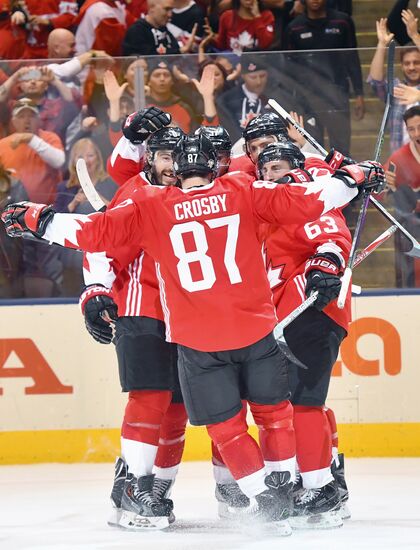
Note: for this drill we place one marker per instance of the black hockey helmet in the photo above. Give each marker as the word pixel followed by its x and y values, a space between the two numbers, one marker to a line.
pixel 165 138
pixel 194 154
pixel 218 135
pixel 281 150
pixel 267 124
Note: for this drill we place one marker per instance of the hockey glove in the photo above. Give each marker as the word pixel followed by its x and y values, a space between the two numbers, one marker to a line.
pixel 336 160
pixel 322 273
pixel 23 218
pixel 368 176
pixel 99 310
pixel 295 176
pixel 142 124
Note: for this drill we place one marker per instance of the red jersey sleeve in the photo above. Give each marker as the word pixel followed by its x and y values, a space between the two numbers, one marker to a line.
pixel 297 203
pixel 126 161
pixel 112 230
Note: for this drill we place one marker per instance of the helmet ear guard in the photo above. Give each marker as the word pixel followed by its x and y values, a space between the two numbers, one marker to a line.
pixel 281 151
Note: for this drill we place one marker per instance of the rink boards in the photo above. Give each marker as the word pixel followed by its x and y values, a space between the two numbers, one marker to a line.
pixel 60 399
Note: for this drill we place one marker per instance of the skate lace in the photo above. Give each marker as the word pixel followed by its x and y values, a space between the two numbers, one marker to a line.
pixel 309 495
pixel 161 486
pixel 144 496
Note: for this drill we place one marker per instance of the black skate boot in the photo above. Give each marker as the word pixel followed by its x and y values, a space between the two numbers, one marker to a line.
pixel 231 500
pixel 317 508
pixel 141 509
pixel 270 509
pixel 162 489
pixel 275 504
pixel 338 474
pixel 117 490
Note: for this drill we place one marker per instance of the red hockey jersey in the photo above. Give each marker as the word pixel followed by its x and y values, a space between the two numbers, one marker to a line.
pixel 286 250
pixel 131 273
pixel 213 284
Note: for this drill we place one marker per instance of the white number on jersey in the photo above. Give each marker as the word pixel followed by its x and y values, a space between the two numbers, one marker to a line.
pixel 325 224
pixel 200 252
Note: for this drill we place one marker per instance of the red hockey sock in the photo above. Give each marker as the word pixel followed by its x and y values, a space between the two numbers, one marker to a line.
pixel 171 440
pixel 216 457
pixel 313 440
pixel 239 451
pixel 144 415
pixel 276 432
pixel 333 426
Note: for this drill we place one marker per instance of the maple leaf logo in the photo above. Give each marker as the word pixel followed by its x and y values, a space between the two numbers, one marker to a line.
pixel 274 275
pixel 239 43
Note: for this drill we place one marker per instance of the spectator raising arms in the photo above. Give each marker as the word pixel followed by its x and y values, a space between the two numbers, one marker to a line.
pixel 406 91
pixel 246 27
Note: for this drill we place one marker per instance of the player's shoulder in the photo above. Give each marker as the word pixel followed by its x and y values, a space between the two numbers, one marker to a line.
pixel 236 178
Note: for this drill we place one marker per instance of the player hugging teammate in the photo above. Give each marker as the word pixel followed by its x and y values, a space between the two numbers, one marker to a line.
pixel 169 267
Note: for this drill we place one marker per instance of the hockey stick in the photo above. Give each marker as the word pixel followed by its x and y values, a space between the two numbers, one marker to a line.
pixel 415 250
pixel 87 185
pixel 362 255
pixel 283 113
pixel 345 281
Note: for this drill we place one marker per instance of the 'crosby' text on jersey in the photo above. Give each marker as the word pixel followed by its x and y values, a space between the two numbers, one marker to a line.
pixel 200 207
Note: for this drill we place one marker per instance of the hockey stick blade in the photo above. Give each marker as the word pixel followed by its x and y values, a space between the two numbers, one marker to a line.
pixel 87 185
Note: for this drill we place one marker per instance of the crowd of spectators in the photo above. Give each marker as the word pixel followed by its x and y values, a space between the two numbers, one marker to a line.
pixel 66 88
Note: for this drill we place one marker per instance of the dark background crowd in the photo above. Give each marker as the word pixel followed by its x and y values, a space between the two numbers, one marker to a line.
pixel 70 72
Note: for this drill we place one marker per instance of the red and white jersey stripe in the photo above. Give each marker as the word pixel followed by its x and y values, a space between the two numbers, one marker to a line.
pixel 131 273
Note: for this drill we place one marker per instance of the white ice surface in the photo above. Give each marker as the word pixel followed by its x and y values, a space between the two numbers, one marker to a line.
pixel 60 507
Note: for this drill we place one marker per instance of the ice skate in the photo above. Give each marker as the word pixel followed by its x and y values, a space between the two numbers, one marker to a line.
pixel 141 509
pixel 162 489
pixel 231 500
pixel 268 511
pixel 117 490
pixel 317 508
pixel 338 474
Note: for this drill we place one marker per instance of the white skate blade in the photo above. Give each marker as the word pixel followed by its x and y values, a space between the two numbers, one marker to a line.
pixel 326 520
pixel 233 514
pixel 133 522
pixel 114 518
pixel 258 528
pixel 280 528
pixel 345 511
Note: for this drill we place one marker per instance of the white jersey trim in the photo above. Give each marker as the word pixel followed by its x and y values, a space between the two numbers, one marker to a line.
pixel 165 309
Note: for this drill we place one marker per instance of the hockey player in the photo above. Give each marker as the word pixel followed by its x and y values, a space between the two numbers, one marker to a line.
pixel 153 430
pixel 302 259
pixel 271 128
pixel 215 294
